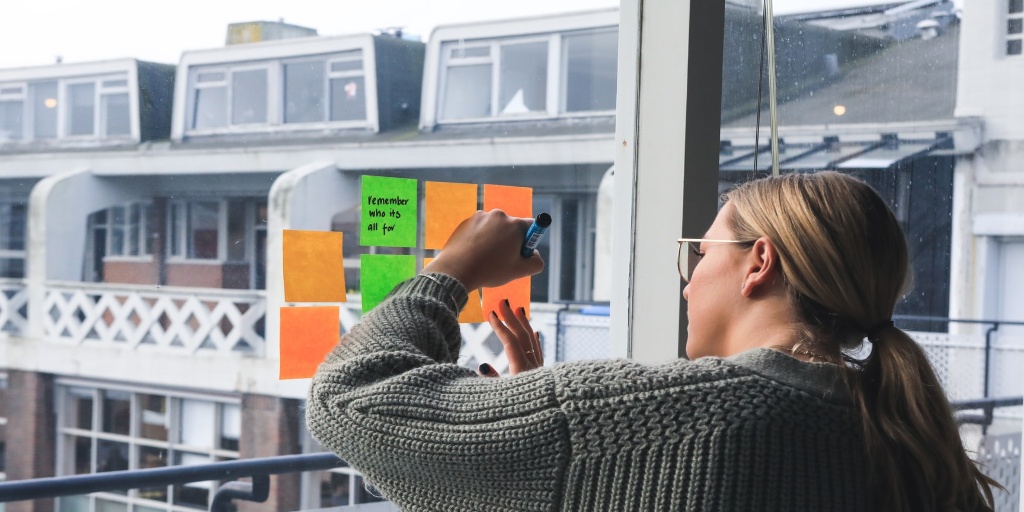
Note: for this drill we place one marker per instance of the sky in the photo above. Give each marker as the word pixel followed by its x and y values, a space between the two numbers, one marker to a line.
pixel 37 32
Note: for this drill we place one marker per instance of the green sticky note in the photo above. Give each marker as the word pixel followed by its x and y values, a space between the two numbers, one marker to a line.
pixel 380 273
pixel 389 212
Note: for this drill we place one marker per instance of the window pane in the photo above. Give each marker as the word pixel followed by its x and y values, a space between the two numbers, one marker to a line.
pixel 230 426
pixel 236 230
pixel 590 71
pixel 461 52
pixel 304 92
pixel 348 102
pixel 12 226
pixel 133 229
pixel 195 494
pixel 1013 47
pixel 524 78
pixel 202 237
pixel 117 413
pixel 249 97
pixel 196 426
pixel 152 457
pixel 467 92
pixel 1016 6
pixel 153 419
pixel 103 505
pixel 10 120
pixel 1015 26
pixel 346 65
pixel 81 108
pixel 81 462
pixel 176 215
pixel 79 413
pixel 111 84
pixel 117 235
pixel 211 109
pixel 44 110
pixel 334 489
pixel 116 115
pixel 111 456
pixel 74 504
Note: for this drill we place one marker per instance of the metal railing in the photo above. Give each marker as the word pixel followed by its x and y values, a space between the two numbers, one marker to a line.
pixel 260 470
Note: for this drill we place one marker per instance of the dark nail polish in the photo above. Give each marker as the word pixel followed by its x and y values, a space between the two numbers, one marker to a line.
pixel 522 310
pixel 508 304
pixel 486 369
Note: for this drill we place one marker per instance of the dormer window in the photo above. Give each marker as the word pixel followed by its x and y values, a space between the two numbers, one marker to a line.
pixel 78 108
pixel 529 77
pixel 300 91
pixel 1015 28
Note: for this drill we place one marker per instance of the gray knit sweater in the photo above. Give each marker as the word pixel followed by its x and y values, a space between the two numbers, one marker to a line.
pixel 758 431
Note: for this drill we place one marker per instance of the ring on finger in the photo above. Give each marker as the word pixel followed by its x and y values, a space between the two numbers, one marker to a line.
pixel 528 352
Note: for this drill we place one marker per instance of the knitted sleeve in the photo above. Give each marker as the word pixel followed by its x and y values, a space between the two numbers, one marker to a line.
pixel 427 433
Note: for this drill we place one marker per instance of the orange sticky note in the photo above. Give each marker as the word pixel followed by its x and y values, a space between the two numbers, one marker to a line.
pixel 515 201
pixel 446 206
pixel 307 335
pixel 472 313
pixel 313 270
pixel 517 292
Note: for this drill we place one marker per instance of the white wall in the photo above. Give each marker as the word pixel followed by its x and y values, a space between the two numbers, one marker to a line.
pixel 991 83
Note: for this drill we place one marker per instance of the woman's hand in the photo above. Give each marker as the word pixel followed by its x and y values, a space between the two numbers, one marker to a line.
pixel 521 342
pixel 484 251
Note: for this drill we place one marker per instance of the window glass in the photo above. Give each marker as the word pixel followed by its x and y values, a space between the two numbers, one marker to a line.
pixel 81 108
pixel 197 423
pixel 524 78
pixel 116 115
pixel 304 92
pixel 44 109
pixel 117 231
pixel 230 426
pixel 590 71
pixel 348 101
pixel 467 92
pixel 249 96
pixel 203 226
pixel 237 228
pixel 11 123
pixel 116 412
pixel 211 105
pixel 12 226
pixel 153 418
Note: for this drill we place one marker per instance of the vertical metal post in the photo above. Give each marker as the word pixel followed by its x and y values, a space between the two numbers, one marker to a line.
pixel 773 110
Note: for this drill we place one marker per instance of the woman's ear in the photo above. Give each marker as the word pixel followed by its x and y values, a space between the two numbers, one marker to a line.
pixel 761 268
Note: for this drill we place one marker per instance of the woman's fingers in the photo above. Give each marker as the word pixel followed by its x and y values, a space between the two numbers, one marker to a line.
pixel 487 370
pixel 520 341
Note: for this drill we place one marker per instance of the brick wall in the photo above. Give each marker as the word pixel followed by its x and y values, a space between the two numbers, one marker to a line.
pixel 270 426
pixel 31 433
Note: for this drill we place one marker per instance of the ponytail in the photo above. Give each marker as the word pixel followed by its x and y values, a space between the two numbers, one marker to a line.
pixel 910 431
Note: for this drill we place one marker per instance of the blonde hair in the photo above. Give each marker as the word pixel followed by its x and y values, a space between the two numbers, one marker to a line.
pixel 844 258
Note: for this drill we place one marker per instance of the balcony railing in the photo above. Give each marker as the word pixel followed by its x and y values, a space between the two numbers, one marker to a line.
pixel 169 318
pixel 13 306
pixel 997 453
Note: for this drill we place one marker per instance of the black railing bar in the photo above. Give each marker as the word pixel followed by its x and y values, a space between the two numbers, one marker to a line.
pixel 984 403
pixel 133 479
pixel 955 320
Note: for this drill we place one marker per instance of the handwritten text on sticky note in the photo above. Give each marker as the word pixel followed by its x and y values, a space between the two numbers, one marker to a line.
pixel 389 212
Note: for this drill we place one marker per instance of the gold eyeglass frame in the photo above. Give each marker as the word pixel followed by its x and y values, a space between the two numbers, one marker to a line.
pixel 694 244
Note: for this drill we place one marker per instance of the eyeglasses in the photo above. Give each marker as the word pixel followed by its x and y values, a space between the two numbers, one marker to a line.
pixel 695 254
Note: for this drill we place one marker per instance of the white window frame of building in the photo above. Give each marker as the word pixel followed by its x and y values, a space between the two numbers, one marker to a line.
pixel 178 212
pixel 555 87
pixel 101 90
pixel 15 92
pixel 276 91
pixel 5 252
pixel 1014 16
pixel 224 423
pixel 141 229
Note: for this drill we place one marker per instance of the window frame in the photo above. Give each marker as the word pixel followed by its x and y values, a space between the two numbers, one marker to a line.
pixel 275 66
pixel 21 97
pixel 183 208
pixel 143 233
pixel 67 432
pixel 555 88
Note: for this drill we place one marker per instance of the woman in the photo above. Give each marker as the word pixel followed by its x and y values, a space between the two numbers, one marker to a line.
pixel 772 413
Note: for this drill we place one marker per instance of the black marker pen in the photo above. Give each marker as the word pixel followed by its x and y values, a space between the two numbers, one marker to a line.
pixel 534 234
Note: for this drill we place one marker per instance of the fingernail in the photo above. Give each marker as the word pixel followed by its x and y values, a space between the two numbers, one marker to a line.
pixel 486 369
pixel 522 310
pixel 508 304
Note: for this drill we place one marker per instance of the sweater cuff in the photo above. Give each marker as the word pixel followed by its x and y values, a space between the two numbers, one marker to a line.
pixel 442 287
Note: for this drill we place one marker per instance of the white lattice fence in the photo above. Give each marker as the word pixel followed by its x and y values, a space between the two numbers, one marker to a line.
pixel 959 362
pixel 13 306
pixel 185 319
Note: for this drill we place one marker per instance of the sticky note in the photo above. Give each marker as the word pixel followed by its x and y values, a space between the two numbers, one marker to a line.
pixel 389 212
pixel 446 205
pixel 307 335
pixel 380 273
pixel 472 313
pixel 515 201
pixel 313 270
pixel 517 292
